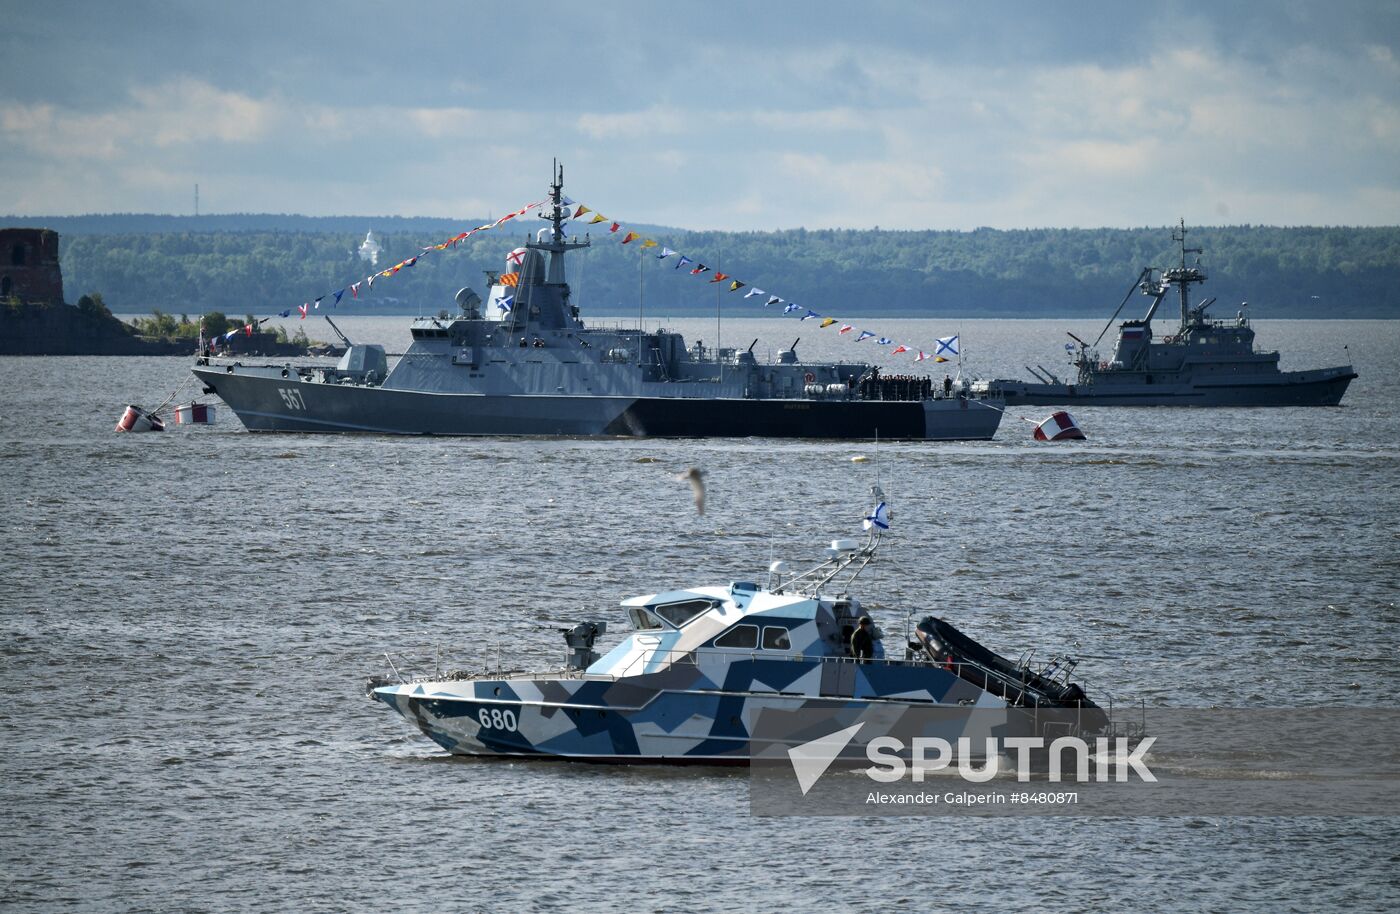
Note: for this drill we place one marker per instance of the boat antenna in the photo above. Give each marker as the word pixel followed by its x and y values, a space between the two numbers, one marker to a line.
pixel 876 451
pixel 1184 276
pixel 641 297
pixel 719 363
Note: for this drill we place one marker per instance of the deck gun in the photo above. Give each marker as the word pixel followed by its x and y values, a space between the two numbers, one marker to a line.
pixel 580 640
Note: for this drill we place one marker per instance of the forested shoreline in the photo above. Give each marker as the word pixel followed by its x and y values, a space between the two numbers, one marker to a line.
pixel 252 263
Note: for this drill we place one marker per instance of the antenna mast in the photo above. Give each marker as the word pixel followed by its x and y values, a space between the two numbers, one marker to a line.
pixel 1183 276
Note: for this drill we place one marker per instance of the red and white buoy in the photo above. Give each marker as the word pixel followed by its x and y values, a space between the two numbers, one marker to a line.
pixel 136 419
pixel 194 414
pixel 1059 427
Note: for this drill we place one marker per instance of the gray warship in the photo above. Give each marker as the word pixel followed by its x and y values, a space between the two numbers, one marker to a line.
pixel 1204 363
pixel 524 363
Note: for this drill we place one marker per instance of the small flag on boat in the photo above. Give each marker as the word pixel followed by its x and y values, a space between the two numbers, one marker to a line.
pixel 864 335
pixel 948 345
pixel 720 277
pixel 845 328
pixel 505 303
pixel 509 279
pixel 302 308
pixel 810 314
pixel 1059 427
pixel 339 294
pixel 921 356
pixel 752 292
pixel 683 261
pixel 615 226
pixel 828 321
pixel 665 252
pixel 630 237
pixel 581 210
pixel 597 217
pixel 774 300
pixel 899 349
pixel 791 307
pixel 736 285
pixel 699 268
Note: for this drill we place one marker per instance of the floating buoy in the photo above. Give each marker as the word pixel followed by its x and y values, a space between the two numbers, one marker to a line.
pixel 1059 427
pixel 194 414
pixel 136 419
pixel 860 458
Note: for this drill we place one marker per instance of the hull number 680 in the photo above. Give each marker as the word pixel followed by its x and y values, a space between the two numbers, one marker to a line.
pixel 497 719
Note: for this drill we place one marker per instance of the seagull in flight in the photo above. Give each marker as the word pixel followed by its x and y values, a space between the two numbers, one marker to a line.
pixel 696 477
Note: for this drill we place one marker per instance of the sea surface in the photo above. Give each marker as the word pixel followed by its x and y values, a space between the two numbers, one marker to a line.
pixel 187 619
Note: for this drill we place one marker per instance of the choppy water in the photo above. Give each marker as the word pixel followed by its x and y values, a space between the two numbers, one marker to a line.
pixel 187 620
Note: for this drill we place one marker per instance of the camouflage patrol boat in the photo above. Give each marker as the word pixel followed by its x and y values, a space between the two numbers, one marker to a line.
pixel 524 363
pixel 1204 363
pixel 702 663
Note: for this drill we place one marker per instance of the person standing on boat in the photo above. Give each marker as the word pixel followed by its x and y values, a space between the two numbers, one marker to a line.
pixel 863 640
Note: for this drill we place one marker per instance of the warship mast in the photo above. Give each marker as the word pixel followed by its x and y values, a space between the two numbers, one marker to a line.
pixel 556 246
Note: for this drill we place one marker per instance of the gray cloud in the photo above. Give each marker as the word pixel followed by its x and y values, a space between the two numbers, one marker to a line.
pixel 715 115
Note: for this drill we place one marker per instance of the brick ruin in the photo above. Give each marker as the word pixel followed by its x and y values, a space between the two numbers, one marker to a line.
pixel 29 268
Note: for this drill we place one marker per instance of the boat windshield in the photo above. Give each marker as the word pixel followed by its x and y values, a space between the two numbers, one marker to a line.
pixel 643 620
pixel 679 614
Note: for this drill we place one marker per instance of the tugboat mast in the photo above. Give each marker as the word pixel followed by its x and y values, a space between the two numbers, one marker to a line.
pixel 1183 276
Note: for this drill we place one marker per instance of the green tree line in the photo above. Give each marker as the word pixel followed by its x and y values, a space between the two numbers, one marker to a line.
pixel 1281 271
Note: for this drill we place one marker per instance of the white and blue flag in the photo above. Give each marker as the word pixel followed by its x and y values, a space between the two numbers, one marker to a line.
pixel 879 519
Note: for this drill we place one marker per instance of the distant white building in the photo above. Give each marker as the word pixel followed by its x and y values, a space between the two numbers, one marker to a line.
pixel 369 249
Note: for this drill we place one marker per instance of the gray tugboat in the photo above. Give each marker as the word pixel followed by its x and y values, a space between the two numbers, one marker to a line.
pixel 525 364
pixel 1205 363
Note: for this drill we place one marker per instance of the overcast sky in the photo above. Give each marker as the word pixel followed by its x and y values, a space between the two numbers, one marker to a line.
pixel 710 115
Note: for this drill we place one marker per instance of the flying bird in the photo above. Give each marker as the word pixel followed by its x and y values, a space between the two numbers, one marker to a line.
pixel 696 477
